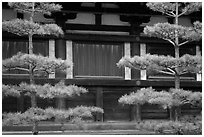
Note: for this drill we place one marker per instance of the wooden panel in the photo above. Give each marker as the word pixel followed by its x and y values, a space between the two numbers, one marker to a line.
pixel 45 103
pixel 9 104
pixel 87 99
pixel 97 59
pixel 12 47
pixel 27 103
pixel 113 110
pixel 135 50
pixel 149 111
pixel 168 49
pixel 189 110
pixel 60 52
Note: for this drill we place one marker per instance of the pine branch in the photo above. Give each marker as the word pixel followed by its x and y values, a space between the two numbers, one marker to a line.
pixel 43 70
pixel 183 43
pixel 165 72
pixel 173 71
pixel 16 68
pixel 182 73
pixel 167 31
pixel 24 27
pixel 39 7
pixel 171 14
pixel 38 62
pixel 185 11
pixel 9 90
pixel 172 42
pixel 163 64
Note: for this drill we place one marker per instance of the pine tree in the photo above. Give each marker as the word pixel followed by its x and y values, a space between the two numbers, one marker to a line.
pixel 38 64
pixel 177 35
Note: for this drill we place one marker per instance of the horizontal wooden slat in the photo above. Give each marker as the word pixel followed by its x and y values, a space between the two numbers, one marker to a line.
pixel 153 110
pixel 116 116
pixel 97 27
pixel 154 116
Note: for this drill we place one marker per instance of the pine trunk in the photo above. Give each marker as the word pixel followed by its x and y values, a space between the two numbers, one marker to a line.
pixel 177 55
pixel 33 94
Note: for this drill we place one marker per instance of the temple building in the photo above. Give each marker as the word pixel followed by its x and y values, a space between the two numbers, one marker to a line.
pixel 96 36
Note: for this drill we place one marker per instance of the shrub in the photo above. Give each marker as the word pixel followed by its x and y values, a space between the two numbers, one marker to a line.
pixel 147 125
pixel 178 128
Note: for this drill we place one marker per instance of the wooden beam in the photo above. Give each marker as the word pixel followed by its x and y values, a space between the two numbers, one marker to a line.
pixel 93 37
pixel 97 27
pixel 104 38
pixel 107 82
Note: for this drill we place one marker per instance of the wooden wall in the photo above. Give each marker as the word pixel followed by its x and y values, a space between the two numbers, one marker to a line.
pixel 93 59
pixel 104 94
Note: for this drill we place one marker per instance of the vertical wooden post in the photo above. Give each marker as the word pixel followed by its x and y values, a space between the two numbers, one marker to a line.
pixel 60 52
pixel 198 75
pixel 52 53
pixel 136 113
pixel 127 54
pixel 69 55
pixel 143 75
pixel 99 103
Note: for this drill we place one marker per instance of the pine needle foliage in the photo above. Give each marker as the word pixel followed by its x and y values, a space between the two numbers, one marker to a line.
pixel 164 64
pixel 39 63
pixel 165 99
pixel 72 115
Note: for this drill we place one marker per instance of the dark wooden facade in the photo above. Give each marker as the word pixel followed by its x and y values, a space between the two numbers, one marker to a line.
pixel 99 35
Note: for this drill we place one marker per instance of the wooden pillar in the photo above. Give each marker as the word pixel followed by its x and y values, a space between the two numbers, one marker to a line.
pixel 69 56
pixel 60 52
pixel 143 75
pixel 127 54
pixel 99 103
pixel 52 53
pixel 198 75
pixel 135 113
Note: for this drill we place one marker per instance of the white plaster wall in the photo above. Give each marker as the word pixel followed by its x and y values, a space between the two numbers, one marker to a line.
pixel 38 18
pixel 83 18
pixel 8 14
pixel 154 20
pixel 111 19
pixel 88 4
pixel 185 21
pixel 109 5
